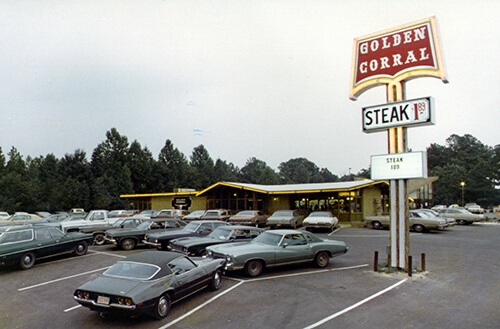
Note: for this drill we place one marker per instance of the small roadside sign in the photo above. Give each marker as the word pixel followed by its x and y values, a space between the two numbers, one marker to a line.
pixel 399 166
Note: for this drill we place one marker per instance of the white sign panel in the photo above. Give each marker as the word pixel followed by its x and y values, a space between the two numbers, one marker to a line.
pixel 414 112
pixel 399 166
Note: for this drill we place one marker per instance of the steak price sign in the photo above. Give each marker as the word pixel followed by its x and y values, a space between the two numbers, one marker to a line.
pixel 414 112
pixel 398 54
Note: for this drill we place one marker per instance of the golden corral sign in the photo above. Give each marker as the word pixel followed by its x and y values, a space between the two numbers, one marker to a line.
pixel 401 53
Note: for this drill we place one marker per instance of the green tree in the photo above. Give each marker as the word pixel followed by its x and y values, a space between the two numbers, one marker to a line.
pixel 172 169
pixel 258 172
pixel 225 172
pixel 300 171
pixel 202 168
pixel 141 163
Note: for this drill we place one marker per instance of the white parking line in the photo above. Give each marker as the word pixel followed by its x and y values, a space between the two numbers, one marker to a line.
pixel 306 273
pixel 72 308
pixel 201 306
pixel 355 305
pixel 61 279
pixel 251 280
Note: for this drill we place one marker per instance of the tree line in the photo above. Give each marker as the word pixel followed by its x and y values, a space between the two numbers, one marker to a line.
pixel 116 167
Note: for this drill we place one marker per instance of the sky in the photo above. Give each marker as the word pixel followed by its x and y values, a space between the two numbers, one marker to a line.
pixel 264 79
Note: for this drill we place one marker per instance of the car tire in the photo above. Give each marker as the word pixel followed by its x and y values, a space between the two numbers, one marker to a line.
pixel 462 222
pixel 27 260
pixel 254 268
pixel 99 239
pixel 418 228
pixel 216 281
pixel 128 244
pixel 322 259
pixel 81 248
pixel 162 307
pixel 376 225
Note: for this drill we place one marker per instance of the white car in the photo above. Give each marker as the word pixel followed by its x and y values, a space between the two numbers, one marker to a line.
pixel 320 219
pixel 476 209
pixel 4 215
pixel 462 216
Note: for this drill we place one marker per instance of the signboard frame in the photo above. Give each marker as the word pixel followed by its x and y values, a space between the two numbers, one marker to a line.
pixel 430 119
pixel 379 39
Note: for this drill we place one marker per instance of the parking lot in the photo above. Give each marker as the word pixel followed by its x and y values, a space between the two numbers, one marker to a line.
pixel 460 289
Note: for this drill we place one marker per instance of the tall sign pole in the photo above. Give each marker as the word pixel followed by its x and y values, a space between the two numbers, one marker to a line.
pixel 391 58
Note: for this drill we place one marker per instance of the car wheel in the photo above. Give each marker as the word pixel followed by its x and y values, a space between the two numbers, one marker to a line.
pixel 81 248
pixel 27 260
pixel 162 307
pixel 216 282
pixel 128 244
pixel 322 259
pixel 418 228
pixel 99 239
pixel 376 225
pixel 253 268
pixel 462 222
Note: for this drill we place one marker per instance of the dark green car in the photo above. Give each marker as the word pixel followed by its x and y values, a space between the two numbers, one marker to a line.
pixel 149 282
pixel 24 244
pixel 129 238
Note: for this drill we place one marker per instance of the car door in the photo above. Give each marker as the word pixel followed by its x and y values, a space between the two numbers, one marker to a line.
pixel 45 243
pixel 293 248
pixel 63 242
pixel 188 275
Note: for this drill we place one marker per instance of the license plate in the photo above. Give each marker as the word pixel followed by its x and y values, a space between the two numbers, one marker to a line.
pixel 103 300
pixel 278 225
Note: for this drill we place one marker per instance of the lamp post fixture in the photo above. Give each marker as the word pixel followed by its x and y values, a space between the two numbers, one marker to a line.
pixel 463 185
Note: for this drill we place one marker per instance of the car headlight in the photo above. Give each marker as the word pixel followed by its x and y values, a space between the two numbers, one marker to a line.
pixel 210 253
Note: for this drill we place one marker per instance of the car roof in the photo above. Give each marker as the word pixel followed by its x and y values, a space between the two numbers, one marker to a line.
pixel 154 257
pixel 284 231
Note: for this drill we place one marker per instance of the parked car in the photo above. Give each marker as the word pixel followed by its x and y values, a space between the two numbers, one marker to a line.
pixel 99 231
pixel 195 215
pixel 25 244
pixel 149 282
pixel 449 220
pixel 122 213
pixel 282 218
pixel 462 216
pixel 149 213
pixel 476 209
pixel 20 218
pixel 321 220
pixel 196 228
pixel 4 215
pixel 277 247
pixel 170 213
pixel 248 217
pixel 418 222
pixel 196 246
pixel 217 214
pixel 129 238
pixel 438 207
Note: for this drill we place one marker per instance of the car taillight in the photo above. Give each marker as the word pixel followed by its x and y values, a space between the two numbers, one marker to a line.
pixel 123 301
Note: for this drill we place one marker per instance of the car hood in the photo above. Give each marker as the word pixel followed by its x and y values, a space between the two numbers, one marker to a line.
pixel 195 241
pixel 239 248
pixel 176 233
pixel 314 220
pixel 123 231
pixel 111 285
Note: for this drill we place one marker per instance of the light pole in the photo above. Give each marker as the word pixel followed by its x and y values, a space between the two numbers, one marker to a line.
pixel 463 185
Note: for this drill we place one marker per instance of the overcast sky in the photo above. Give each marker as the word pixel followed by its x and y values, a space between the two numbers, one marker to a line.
pixel 265 79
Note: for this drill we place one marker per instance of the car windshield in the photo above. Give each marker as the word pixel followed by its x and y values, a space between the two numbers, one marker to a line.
pixel 131 270
pixel 283 213
pixel 220 234
pixel 320 214
pixel 191 227
pixel 268 238
pixel 245 213
pixel 212 213
pixel 144 225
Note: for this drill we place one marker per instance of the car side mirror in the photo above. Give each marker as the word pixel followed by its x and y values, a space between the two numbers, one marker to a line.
pixel 284 245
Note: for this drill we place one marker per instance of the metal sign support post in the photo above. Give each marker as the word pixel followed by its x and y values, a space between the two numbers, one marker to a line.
pixel 400 234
